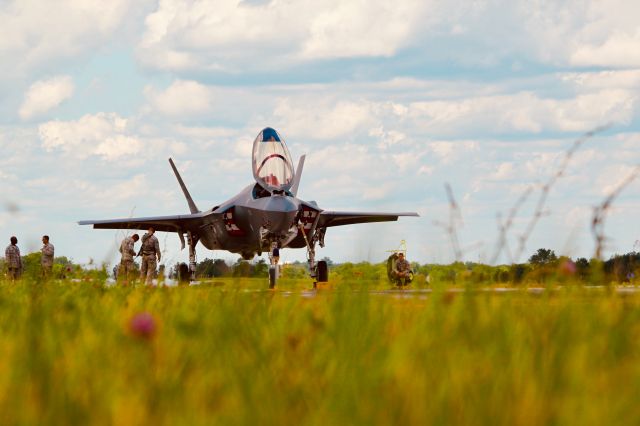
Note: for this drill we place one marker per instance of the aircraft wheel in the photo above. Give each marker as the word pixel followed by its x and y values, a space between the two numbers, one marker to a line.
pixel 184 275
pixel 322 272
pixel 272 277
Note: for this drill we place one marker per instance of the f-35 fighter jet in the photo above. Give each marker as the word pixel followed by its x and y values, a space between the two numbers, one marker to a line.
pixel 264 215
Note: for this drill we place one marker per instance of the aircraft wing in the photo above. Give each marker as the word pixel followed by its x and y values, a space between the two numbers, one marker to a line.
pixel 329 218
pixel 160 223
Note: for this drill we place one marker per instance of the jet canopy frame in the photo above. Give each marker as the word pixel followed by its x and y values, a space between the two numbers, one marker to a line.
pixel 272 165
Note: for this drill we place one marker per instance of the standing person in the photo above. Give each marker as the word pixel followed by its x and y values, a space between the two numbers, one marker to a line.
pixel 150 250
pixel 13 259
pixel 275 254
pixel 125 270
pixel 402 269
pixel 47 256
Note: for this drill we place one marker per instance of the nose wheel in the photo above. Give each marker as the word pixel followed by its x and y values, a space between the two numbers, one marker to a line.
pixel 273 276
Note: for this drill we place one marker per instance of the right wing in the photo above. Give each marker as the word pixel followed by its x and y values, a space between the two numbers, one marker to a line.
pixel 177 223
pixel 328 218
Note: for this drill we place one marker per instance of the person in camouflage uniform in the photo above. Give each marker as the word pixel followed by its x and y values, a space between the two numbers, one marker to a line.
pixel 402 269
pixel 149 251
pixel 126 268
pixel 13 259
pixel 47 256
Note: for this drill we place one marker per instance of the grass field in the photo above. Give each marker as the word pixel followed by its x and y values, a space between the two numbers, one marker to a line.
pixel 229 352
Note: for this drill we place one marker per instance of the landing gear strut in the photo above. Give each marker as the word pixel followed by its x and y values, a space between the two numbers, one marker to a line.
pixel 192 240
pixel 273 265
pixel 318 271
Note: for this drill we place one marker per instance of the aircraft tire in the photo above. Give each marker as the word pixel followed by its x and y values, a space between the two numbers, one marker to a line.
pixel 322 272
pixel 184 274
pixel 272 277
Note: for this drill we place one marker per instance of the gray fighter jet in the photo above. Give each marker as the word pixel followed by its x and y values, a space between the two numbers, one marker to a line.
pixel 264 215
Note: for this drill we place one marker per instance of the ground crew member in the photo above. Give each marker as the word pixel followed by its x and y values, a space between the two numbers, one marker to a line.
pixel 402 269
pixel 125 269
pixel 13 259
pixel 47 256
pixel 149 251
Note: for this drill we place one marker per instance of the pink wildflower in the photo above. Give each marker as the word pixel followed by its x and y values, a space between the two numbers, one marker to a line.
pixel 143 325
pixel 568 267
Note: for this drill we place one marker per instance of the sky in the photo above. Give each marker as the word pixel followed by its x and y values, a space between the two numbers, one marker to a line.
pixel 390 101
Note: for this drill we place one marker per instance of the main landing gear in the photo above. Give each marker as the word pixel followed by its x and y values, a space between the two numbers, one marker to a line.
pixel 317 270
pixel 192 240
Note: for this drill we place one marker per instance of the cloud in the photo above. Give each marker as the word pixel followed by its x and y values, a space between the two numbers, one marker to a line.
pixel 619 50
pixel 361 28
pixel 448 151
pixel 524 112
pixel 103 134
pixel 37 33
pixel 504 171
pixel 232 35
pixel 612 176
pixel 181 98
pixel 324 118
pixel 44 95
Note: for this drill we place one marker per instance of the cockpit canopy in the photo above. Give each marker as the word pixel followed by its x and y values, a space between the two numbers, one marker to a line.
pixel 272 165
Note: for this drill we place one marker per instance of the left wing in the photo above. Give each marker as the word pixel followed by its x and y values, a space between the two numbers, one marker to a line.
pixel 177 223
pixel 328 218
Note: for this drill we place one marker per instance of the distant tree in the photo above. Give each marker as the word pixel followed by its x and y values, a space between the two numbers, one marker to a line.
pixel 328 260
pixel 260 268
pixel 622 268
pixel 582 267
pixel 517 272
pixel 543 257
pixel 241 268
pixel 205 268
pixel 210 268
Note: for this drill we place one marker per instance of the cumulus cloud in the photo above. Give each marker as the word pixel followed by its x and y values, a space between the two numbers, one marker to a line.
pixel 103 134
pixel 619 50
pixel 35 32
pixel 233 35
pixel 524 112
pixel 44 95
pixel 323 118
pixel 361 28
pixel 181 98
pixel 613 175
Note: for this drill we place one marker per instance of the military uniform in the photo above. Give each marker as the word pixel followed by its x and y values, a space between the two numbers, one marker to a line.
pixel 126 263
pixel 13 261
pixel 149 250
pixel 402 269
pixel 47 259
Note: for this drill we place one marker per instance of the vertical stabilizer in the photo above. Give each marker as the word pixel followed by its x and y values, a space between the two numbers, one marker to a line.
pixel 192 205
pixel 296 178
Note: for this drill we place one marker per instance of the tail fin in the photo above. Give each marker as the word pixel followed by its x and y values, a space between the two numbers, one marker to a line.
pixel 296 178
pixel 192 205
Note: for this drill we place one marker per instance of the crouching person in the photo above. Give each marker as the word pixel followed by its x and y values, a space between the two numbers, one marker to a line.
pixel 402 270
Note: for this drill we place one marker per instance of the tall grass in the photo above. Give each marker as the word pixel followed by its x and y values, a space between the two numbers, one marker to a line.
pixel 228 353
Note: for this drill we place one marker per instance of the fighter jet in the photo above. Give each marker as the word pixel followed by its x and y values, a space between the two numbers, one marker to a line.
pixel 264 215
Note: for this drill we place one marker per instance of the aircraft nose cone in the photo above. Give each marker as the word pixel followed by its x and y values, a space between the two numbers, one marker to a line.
pixel 280 204
pixel 279 213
